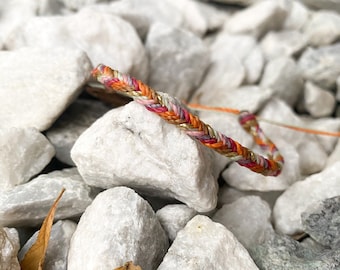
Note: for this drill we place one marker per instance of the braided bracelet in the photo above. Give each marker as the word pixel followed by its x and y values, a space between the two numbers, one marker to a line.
pixel 174 112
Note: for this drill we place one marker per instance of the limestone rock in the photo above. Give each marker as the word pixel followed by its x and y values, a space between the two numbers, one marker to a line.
pixel 174 217
pixel 323 28
pixel 28 204
pixel 58 245
pixel 24 153
pixel 322 4
pixel 178 60
pixel 284 78
pixel 259 18
pixel 283 43
pixel 298 15
pixel 134 147
pixel 321 66
pixel 76 119
pixel 39 96
pixel 321 221
pixel 204 244
pixel 99 41
pixel 298 197
pixel 335 156
pixel 119 226
pixel 9 247
pixel 318 102
pixel 284 253
pixel 247 210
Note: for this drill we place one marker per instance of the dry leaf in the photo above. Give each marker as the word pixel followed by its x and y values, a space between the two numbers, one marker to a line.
pixel 34 258
pixel 129 266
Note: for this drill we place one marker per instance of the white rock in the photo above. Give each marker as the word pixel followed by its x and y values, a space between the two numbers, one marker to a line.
pixel 9 247
pixel 238 2
pixel 244 179
pixel 78 4
pixel 321 66
pixel 295 200
pixel 99 41
pixel 335 155
pixel 58 245
pixel 178 60
pixel 204 244
pixel 258 18
pixel 338 89
pixel 317 101
pixel 280 112
pixel 254 63
pixel 36 98
pixel 76 119
pixel 28 204
pixel 174 217
pixel 297 16
pixel 323 28
pixel 310 164
pixel 322 4
pixel 119 226
pixel 214 17
pixel 24 153
pixel 283 43
pixel 247 210
pixel 284 78
pixel 134 147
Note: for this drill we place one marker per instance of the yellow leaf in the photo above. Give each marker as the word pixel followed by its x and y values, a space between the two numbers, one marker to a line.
pixel 34 258
pixel 129 266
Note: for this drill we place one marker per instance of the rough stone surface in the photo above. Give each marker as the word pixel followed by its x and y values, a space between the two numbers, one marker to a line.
pixel 284 78
pixel 119 226
pixel 28 204
pixel 76 119
pixel 9 247
pixel 321 66
pixel 24 153
pixel 322 4
pixel 284 253
pixel 248 210
pixel 174 217
pixel 323 28
pixel 204 244
pixel 134 147
pixel 42 94
pixel 58 245
pixel 99 41
pixel 178 60
pixel 321 221
pixel 317 101
pixel 295 200
pixel 258 18
pixel 283 43
pixel 297 16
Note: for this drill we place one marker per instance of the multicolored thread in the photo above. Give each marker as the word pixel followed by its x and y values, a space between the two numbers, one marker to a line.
pixel 174 112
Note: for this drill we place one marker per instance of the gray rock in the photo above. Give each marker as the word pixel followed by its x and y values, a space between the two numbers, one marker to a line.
pixel 322 4
pixel 258 18
pixel 9 247
pixel 24 153
pixel 284 78
pixel 28 204
pixel 321 66
pixel 317 101
pixel 99 40
pixel 178 60
pixel 58 245
pixel 134 147
pixel 335 155
pixel 39 96
pixel 283 43
pixel 237 216
pixel 76 119
pixel 204 244
pixel 323 28
pixel 174 217
pixel 321 221
pixel 297 16
pixel 338 89
pixel 284 253
pixel 298 197
pixel 119 226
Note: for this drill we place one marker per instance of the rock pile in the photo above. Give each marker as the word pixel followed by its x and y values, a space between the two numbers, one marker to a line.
pixel 138 189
